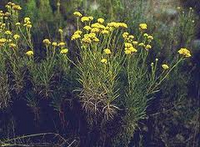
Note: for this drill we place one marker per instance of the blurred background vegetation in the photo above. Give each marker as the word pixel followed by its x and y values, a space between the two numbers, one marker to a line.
pixel 173 115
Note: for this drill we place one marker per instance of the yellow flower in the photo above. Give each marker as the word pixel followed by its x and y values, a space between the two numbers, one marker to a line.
pixel 141 44
pixel 98 25
pixel 64 51
pixel 86 40
pixel 8 32
pixel 145 35
pixel 78 32
pixel 77 14
pixel 148 47
pixel 100 20
pixel 87 28
pixel 27 20
pixel 185 52
pixel 85 19
pixel 2 40
pixel 143 26
pixel 131 37
pixel 75 36
pixel 135 42
pixel 60 31
pixel 127 51
pixel 127 45
pixel 46 42
pixel 123 25
pixel 18 24
pixel 150 37
pixel 91 35
pixel 17 7
pixel 107 51
pixel 96 39
pixel 132 49
pixel 165 66
pixel 90 18
pixel 29 53
pixel 54 44
pixel 113 24
pixel 9 40
pixel 29 26
pixel 104 60
pixel 125 34
pixel 61 44
pixel 105 32
pixel 12 45
pixel 95 30
pixel 16 36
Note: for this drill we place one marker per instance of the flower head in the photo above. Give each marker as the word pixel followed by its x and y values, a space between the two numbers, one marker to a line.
pixel 127 51
pixel 143 26
pixel 165 66
pixel 100 20
pixel 46 42
pixel 61 44
pixel 147 47
pixel 150 37
pixel 60 31
pixel 104 60
pixel 87 28
pixel 185 52
pixel 12 45
pixel 85 19
pixel 77 14
pixel 64 51
pixel 16 36
pixel 29 53
pixel 54 44
pixel 8 32
pixel 107 51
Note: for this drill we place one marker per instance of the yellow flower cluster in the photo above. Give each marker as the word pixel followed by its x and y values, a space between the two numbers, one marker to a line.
pixel 2 41
pixel 86 18
pixel 54 44
pixel 104 60
pixel 165 66
pixel 12 45
pixel 129 48
pixel 8 32
pixel 148 36
pixel 16 36
pixel 147 47
pixel 117 25
pixel 29 53
pixel 78 14
pixel 64 51
pixel 87 28
pixel 89 38
pixel 143 26
pixel 185 52
pixel 46 42
pixel 27 22
pixel 76 35
pixel 13 6
pixel 100 20
pixel 128 38
pixel 107 51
